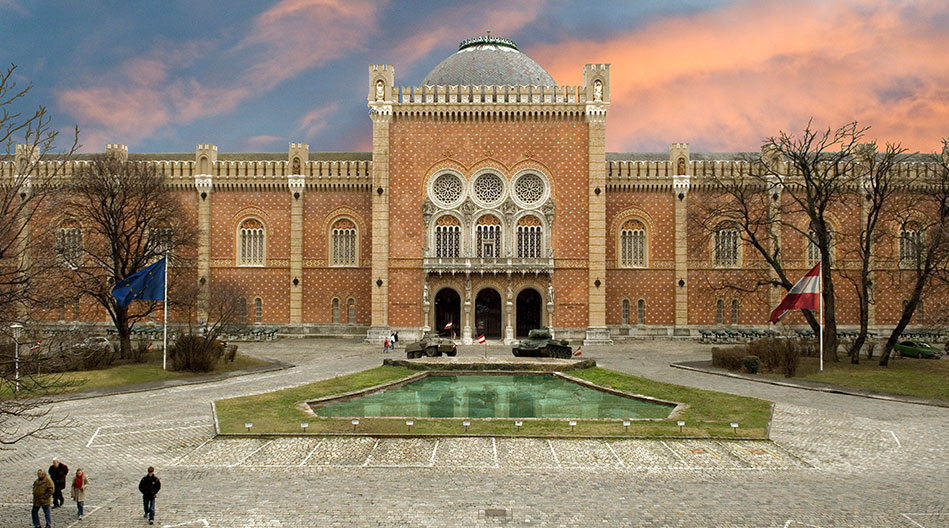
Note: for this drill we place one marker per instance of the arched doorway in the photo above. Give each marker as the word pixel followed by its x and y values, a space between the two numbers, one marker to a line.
pixel 529 307
pixel 488 314
pixel 447 309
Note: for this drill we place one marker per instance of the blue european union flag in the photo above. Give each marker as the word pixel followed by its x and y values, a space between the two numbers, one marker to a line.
pixel 148 285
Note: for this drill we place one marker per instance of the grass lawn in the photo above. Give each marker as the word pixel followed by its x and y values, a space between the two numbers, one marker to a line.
pixel 709 414
pixel 924 378
pixel 132 374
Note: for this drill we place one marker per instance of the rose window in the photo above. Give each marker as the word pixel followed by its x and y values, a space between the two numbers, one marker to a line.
pixel 489 188
pixel 529 189
pixel 447 188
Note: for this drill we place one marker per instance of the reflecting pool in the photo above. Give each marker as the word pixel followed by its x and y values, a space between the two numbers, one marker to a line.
pixel 496 396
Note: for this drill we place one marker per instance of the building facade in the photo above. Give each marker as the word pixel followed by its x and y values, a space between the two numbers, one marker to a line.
pixel 489 202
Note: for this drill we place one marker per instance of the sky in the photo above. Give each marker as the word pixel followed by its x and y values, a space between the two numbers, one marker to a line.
pixel 252 76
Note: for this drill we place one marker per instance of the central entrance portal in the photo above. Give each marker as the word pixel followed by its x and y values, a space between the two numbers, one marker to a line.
pixel 488 314
pixel 447 310
pixel 528 311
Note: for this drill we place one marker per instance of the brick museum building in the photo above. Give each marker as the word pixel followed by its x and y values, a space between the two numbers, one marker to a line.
pixel 488 201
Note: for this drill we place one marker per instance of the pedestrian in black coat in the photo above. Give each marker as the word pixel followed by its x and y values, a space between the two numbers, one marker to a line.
pixel 149 486
pixel 58 472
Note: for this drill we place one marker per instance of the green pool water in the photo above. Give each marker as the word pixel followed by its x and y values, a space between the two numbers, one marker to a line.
pixel 503 396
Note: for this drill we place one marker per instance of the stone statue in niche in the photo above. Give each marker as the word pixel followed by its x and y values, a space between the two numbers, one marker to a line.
pixel 550 293
pixel 597 90
pixel 468 289
pixel 681 168
pixel 425 293
pixel 380 91
pixel 296 165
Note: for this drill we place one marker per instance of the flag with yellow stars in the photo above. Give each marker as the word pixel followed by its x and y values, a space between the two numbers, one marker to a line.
pixel 145 285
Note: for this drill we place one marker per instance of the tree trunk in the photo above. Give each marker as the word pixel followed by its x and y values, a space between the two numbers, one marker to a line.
pixel 125 334
pixel 905 318
pixel 830 318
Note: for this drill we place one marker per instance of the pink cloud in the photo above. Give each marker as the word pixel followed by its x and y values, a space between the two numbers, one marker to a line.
pixel 315 120
pixel 262 141
pixel 728 78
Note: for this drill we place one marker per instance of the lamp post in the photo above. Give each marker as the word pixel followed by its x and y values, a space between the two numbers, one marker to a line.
pixel 17 330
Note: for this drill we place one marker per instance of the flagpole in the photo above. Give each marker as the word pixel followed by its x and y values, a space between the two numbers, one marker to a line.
pixel 164 347
pixel 821 320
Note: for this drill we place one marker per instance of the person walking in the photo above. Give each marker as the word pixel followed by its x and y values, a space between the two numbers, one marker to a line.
pixel 385 346
pixel 149 486
pixel 42 495
pixel 57 473
pixel 79 491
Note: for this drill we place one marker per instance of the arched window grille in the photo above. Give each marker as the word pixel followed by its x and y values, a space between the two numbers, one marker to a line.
pixel 258 309
pixel 344 251
pixel 447 237
pixel 161 239
pixel 719 311
pixel 69 244
pixel 529 235
pixel 641 311
pixel 911 242
pixel 335 310
pixel 351 311
pixel 251 241
pixel 633 244
pixel 734 311
pixel 727 247
pixel 625 311
pixel 241 309
pixel 488 233
pixel 813 251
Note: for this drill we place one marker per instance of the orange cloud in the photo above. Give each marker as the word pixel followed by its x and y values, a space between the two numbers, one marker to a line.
pixel 725 79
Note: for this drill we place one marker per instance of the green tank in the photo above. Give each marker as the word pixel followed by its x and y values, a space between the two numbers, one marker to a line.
pixel 540 343
pixel 430 345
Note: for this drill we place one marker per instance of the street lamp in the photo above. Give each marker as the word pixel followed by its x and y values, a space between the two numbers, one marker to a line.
pixel 17 330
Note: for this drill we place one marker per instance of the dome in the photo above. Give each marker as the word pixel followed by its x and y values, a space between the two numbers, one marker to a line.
pixel 488 60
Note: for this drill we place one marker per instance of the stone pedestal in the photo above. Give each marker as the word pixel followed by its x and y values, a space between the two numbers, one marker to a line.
pixel 378 334
pixel 598 335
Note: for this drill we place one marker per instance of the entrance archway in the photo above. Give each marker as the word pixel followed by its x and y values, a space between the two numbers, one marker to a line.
pixel 529 307
pixel 447 309
pixel 488 314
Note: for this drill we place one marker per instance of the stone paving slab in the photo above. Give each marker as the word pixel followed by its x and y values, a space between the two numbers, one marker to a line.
pixel 526 452
pixel 466 452
pixel 584 453
pixel 341 451
pixel 223 452
pixel 403 452
pixel 283 452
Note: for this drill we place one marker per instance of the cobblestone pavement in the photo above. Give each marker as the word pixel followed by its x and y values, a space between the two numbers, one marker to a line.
pixel 835 460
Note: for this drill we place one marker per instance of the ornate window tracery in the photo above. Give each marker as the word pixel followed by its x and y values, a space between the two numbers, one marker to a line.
pixel 69 243
pixel 529 238
pixel 489 188
pixel 633 244
pixel 447 237
pixel 447 189
pixel 251 239
pixel 344 250
pixel 911 243
pixel 641 311
pixel 488 234
pixel 727 247
pixel 258 309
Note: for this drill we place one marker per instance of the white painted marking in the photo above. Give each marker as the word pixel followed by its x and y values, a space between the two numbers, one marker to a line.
pixel 155 430
pixel 369 455
pixel 251 454
pixel 551 446
pixel 618 459
pixel 663 442
pixel 192 451
pixel 93 436
pixel 908 518
pixel 907 515
pixel 431 462
pixel 317 446
pixel 787 524
pixel 202 522
pixel 494 445
pixel 898 444
pixel 88 512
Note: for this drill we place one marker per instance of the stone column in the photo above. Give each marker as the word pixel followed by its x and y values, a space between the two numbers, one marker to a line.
pixel 205 158
pixel 468 303
pixel 680 187
pixel 596 79
pixel 296 183
pixel 426 306
pixel 380 110
pixel 509 304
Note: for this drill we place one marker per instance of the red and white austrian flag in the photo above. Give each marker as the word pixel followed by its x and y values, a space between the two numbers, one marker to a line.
pixel 805 295
pixel 481 338
pixel 448 326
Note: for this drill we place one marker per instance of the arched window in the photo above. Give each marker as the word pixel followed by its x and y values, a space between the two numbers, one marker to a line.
pixel 632 244
pixel 69 243
pixel 641 311
pixel 447 237
pixel 719 311
pixel 734 311
pixel 625 311
pixel 351 311
pixel 161 240
pixel 813 251
pixel 251 242
pixel 529 236
pixel 727 246
pixel 911 243
pixel 343 247
pixel 335 310
pixel 488 236
pixel 258 309
pixel 240 309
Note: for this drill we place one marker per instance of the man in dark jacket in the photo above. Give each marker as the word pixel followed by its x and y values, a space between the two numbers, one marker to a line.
pixel 149 486
pixel 58 472
pixel 42 493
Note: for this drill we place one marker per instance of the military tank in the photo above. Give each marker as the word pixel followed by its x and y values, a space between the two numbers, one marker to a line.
pixel 540 343
pixel 430 345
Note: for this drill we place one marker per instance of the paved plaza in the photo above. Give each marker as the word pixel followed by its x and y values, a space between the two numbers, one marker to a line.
pixel 835 460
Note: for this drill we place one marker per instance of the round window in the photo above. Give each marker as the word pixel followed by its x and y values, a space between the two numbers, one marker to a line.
pixel 489 188
pixel 530 189
pixel 447 189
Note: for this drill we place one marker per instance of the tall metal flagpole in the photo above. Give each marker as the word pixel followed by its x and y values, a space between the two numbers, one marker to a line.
pixel 164 347
pixel 821 321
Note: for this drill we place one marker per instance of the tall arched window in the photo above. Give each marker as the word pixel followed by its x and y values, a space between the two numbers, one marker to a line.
pixel 251 242
pixel 69 243
pixel 258 309
pixel 719 311
pixel 641 311
pixel 734 311
pixel 447 237
pixel 813 251
pixel 625 311
pixel 488 236
pixel 343 246
pixel 240 306
pixel 529 236
pixel 632 244
pixel 727 246
pixel 911 243
pixel 351 311
pixel 335 310
pixel 161 239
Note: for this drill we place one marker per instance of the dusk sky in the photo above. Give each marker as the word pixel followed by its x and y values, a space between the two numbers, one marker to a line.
pixel 254 76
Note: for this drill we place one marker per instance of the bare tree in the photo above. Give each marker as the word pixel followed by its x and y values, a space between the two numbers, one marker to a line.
pixel 30 163
pixel 924 239
pixel 129 218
